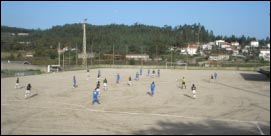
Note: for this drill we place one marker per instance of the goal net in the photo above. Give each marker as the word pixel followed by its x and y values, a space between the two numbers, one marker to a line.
pixel 173 65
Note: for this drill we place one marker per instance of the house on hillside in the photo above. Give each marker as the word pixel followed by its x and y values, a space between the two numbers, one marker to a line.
pixel 22 34
pixel 235 44
pixel 224 45
pixel 192 49
pixel 219 57
pixel 207 46
pixel 254 43
pixel 265 54
pixel 217 42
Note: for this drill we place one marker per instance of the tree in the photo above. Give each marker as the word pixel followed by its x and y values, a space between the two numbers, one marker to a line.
pixel 19 55
pixel 52 54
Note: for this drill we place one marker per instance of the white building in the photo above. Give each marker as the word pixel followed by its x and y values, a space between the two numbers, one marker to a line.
pixel 268 45
pixel 235 52
pixel 245 50
pixel 207 46
pixel 217 42
pixel 22 34
pixel 265 54
pixel 24 43
pixel 229 49
pixel 29 55
pixel 235 43
pixel 219 57
pixel 137 56
pixel 254 44
pixel 183 51
pixel 224 44
pixel 192 49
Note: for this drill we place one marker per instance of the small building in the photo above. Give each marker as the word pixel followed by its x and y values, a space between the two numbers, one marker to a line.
pixel 268 45
pixel 265 54
pixel 224 44
pixel 191 49
pixel 229 48
pixel 116 56
pixel 211 63
pixel 207 46
pixel 137 56
pixel 29 55
pixel 235 43
pixel 22 34
pixel 219 57
pixel 217 42
pixel 254 43
pixel 235 52
pixel 157 58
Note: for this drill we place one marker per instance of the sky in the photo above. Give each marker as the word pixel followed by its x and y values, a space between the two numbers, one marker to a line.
pixel 251 18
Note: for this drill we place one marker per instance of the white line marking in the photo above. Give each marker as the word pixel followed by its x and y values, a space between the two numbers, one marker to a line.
pixel 259 128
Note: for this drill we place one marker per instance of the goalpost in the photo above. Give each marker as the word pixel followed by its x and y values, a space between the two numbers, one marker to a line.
pixel 173 65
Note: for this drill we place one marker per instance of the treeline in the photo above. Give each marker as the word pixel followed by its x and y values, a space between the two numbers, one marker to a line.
pixel 136 38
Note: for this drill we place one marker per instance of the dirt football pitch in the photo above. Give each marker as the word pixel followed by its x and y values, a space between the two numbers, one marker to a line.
pixel 238 102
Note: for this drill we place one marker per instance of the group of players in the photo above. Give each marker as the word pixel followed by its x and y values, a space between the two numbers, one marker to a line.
pixel 97 93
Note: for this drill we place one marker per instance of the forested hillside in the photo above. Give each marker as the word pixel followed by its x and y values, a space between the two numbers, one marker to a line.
pixel 136 38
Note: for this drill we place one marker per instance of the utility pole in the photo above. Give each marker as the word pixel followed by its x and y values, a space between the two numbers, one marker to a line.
pixel 91 52
pixel 198 35
pixel 113 54
pixel 84 44
pixel 171 57
pixel 142 56
pixel 99 53
pixel 156 50
pixel 76 54
pixel 59 53
pixel 69 56
pixel 126 53
pixel 63 57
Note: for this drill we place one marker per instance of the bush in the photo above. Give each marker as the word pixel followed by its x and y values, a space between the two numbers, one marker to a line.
pixel 19 55
pixel 11 57
pixel 132 62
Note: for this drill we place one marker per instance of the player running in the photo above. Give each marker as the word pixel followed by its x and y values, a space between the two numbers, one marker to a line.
pixel 193 88
pixel 28 91
pixel 74 82
pixel 137 76
pixel 183 83
pixel 17 84
pixel 152 88
pixel 105 84
pixel 158 72
pixel 130 81
pixel 118 78
pixel 95 96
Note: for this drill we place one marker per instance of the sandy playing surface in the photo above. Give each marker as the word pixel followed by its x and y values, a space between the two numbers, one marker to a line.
pixel 237 103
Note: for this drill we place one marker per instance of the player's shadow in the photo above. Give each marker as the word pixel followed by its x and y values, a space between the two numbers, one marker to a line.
pixel 188 96
pixel 33 95
pixel 21 87
pixel 149 93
